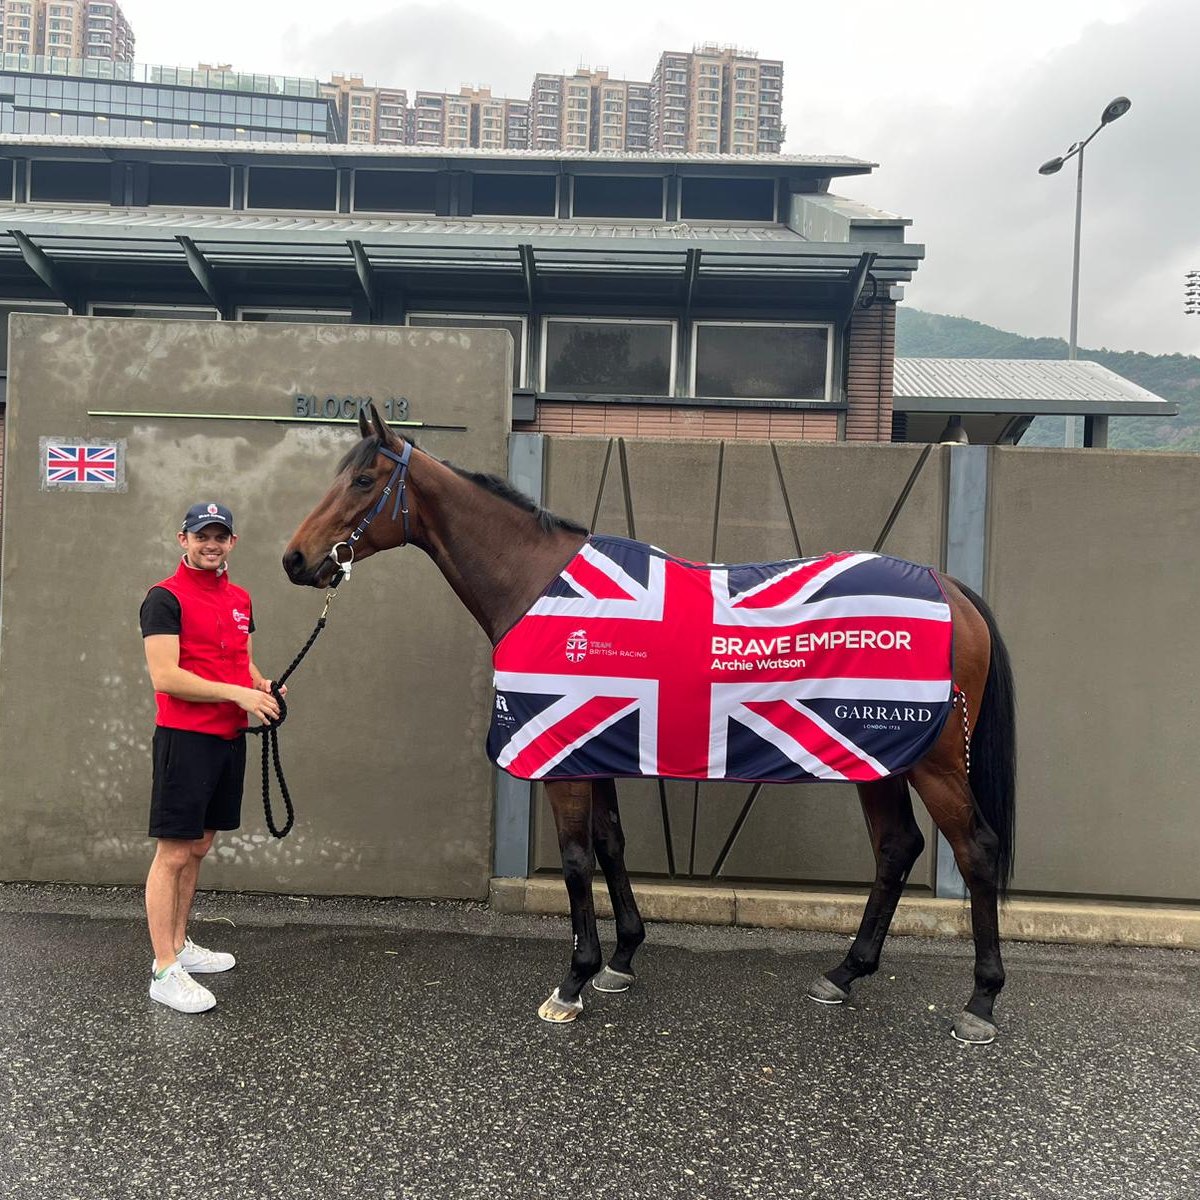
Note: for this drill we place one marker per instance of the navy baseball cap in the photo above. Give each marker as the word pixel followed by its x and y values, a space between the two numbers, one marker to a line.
pixel 209 513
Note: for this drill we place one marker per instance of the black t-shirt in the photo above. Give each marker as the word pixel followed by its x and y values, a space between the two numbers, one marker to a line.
pixel 160 613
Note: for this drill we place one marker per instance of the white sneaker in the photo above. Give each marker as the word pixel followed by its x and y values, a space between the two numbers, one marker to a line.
pixel 198 961
pixel 178 990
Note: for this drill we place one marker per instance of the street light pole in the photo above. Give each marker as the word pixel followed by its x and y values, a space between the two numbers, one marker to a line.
pixel 1115 108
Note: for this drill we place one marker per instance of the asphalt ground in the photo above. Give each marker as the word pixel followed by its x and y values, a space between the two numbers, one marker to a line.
pixel 386 1049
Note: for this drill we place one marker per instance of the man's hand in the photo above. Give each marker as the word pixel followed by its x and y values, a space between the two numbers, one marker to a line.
pixel 264 685
pixel 260 704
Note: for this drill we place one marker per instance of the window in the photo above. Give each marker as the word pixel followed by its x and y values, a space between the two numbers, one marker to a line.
pixel 762 360
pixel 160 312
pixel 514 195
pixel 81 182
pixel 514 324
pixel 302 316
pixel 291 188
pixel 618 196
pixel 189 186
pixel 616 357
pixel 728 199
pixel 8 307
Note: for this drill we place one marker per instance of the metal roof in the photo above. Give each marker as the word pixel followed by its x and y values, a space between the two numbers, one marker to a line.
pixel 196 223
pixel 1013 385
pixel 820 163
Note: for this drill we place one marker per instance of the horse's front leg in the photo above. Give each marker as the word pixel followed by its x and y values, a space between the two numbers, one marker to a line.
pixel 571 803
pixel 610 850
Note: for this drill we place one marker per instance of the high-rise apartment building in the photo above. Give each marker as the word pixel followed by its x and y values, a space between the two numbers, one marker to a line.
pixel 471 118
pixel 369 114
pixel 717 100
pixel 73 29
pixel 588 111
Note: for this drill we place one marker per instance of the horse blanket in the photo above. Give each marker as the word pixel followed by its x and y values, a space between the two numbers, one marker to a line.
pixel 634 662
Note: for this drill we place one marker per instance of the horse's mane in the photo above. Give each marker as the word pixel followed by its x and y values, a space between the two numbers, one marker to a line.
pixel 364 454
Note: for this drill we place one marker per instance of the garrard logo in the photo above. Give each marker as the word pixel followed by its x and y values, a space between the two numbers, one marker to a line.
pixel 577 646
pixel 883 712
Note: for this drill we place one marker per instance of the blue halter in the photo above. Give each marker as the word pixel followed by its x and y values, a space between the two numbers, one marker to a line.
pixel 399 508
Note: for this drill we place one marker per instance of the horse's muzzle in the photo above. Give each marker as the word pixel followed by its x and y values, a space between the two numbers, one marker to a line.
pixel 299 572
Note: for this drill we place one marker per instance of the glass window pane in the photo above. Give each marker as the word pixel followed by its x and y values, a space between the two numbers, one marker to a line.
pixel 615 357
pixel 728 199
pixel 615 196
pixel 761 362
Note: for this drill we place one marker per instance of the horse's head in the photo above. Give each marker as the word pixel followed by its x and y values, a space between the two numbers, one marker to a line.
pixel 356 515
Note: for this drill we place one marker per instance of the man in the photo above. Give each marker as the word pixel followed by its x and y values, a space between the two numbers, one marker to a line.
pixel 196 627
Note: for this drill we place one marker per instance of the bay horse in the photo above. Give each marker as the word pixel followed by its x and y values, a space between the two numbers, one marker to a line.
pixel 499 552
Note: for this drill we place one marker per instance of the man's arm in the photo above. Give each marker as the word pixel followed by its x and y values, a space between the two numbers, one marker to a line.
pixel 167 676
pixel 257 678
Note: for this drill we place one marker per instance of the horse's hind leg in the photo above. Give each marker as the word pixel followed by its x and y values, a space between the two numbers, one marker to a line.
pixel 610 850
pixel 897 842
pixel 947 795
pixel 571 803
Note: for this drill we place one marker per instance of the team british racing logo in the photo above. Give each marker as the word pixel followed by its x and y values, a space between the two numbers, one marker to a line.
pixel 834 668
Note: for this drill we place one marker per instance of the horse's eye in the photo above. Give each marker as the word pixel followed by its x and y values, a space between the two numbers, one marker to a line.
pixel 363 481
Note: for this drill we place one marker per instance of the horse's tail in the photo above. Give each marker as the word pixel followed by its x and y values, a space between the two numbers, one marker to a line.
pixel 993 774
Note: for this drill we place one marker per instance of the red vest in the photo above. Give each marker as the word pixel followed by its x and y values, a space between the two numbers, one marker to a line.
pixel 213 636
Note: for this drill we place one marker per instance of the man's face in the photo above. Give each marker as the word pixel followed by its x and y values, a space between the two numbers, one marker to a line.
pixel 208 548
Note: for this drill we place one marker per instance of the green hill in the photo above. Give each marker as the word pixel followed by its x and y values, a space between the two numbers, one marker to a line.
pixel 1174 377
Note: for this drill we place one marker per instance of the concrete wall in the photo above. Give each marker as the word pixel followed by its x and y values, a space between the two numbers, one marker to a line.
pixel 1095 578
pixel 384 745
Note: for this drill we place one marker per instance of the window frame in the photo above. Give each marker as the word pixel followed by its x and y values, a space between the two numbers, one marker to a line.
pixel 828 326
pixel 154 307
pixel 391 213
pixel 571 200
pixel 554 216
pixel 337 196
pixel 241 309
pixel 521 351
pixel 674 351
pixel 81 203
pixel 774 219
pixel 191 207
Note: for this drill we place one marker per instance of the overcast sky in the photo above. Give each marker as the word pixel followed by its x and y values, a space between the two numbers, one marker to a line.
pixel 957 102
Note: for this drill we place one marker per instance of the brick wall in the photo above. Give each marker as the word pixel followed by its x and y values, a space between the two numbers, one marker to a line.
pixel 651 420
pixel 869 379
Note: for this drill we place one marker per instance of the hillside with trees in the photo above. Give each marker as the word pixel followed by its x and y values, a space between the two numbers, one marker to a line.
pixel 1174 377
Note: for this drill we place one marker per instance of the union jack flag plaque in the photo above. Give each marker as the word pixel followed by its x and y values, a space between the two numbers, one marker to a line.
pixel 637 663
pixel 82 466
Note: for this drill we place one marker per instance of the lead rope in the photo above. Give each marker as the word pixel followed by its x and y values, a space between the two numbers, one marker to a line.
pixel 960 699
pixel 270 732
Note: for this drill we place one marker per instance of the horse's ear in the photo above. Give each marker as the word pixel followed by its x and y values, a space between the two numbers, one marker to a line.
pixel 380 428
pixel 363 425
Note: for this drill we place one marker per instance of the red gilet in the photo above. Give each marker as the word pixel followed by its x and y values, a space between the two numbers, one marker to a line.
pixel 213 636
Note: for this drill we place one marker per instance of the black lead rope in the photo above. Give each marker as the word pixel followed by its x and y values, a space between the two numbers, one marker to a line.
pixel 270 732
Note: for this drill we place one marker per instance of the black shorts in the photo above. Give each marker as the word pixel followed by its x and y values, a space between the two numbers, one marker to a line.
pixel 197 783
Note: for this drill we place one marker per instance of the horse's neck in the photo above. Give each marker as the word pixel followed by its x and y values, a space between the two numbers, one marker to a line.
pixel 494 555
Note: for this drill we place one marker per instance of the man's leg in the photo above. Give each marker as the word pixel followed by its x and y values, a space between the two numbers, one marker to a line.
pixel 163 889
pixel 187 886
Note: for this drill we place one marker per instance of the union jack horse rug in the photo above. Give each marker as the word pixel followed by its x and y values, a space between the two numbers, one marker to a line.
pixel 636 663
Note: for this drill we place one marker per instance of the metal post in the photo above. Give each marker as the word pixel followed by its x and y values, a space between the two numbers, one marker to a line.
pixel 514 800
pixel 1072 438
pixel 966 549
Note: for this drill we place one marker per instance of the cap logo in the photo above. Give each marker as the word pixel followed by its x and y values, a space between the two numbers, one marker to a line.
pixel 213 510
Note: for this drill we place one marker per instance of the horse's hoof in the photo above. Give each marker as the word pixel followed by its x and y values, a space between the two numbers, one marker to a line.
pixel 558 1011
pixel 824 992
pixel 973 1030
pixel 608 980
